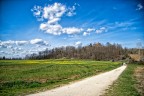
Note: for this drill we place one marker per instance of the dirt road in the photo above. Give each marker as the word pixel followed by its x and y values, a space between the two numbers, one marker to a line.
pixel 92 86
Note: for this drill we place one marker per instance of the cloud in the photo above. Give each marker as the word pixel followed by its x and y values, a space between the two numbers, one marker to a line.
pixel 6 44
pixel 139 7
pixel 72 30
pixel 12 48
pixel 53 21
pixel 86 33
pixel 38 42
pixel 101 30
pixel 55 10
pixel 71 11
pixel 78 44
pixel 52 15
pixel 90 29
pixel 10 44
pixel 37 12
pixel 17 49
pixel 20 43
pixel 43 26
pixel 55 29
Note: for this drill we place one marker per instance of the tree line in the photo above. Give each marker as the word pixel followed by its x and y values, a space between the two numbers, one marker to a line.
pixel 7 58
pixel 96 51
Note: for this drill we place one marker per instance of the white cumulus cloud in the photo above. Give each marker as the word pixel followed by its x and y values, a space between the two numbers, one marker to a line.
pixel 43 26
pixel 55 29
pixel 52 15
pixel 55 10
pixel 38 41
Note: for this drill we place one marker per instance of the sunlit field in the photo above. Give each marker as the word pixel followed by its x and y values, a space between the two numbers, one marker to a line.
pixel 20 77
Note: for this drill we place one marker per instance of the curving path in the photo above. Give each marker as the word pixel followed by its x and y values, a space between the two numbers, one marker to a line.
pixel 92 86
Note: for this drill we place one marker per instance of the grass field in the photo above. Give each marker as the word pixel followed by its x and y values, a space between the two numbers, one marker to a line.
pixel 20 77
pixel 127 84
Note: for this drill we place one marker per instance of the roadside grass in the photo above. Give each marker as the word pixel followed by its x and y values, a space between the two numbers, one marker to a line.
pixel 21 77
pixel 126 83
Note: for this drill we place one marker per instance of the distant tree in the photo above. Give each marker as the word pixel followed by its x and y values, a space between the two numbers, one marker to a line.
pixel 4 58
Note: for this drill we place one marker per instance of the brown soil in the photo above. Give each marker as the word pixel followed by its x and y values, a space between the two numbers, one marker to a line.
pixel 139 74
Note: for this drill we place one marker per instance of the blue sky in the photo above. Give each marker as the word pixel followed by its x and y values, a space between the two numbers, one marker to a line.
pixel 29 26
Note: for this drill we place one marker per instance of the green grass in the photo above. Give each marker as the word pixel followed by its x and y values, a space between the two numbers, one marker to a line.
pixel 20 77
pixel 126 84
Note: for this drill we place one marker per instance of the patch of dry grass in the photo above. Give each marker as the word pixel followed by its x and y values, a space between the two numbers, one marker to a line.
pixel 139 74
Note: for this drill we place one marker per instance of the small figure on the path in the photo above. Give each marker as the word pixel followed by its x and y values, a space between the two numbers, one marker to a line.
pixel 124 63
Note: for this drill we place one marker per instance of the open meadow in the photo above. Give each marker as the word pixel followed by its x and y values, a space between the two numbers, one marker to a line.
pixel 21 77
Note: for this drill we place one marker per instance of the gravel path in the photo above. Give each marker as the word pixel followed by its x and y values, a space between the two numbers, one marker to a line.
pixel 92 86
